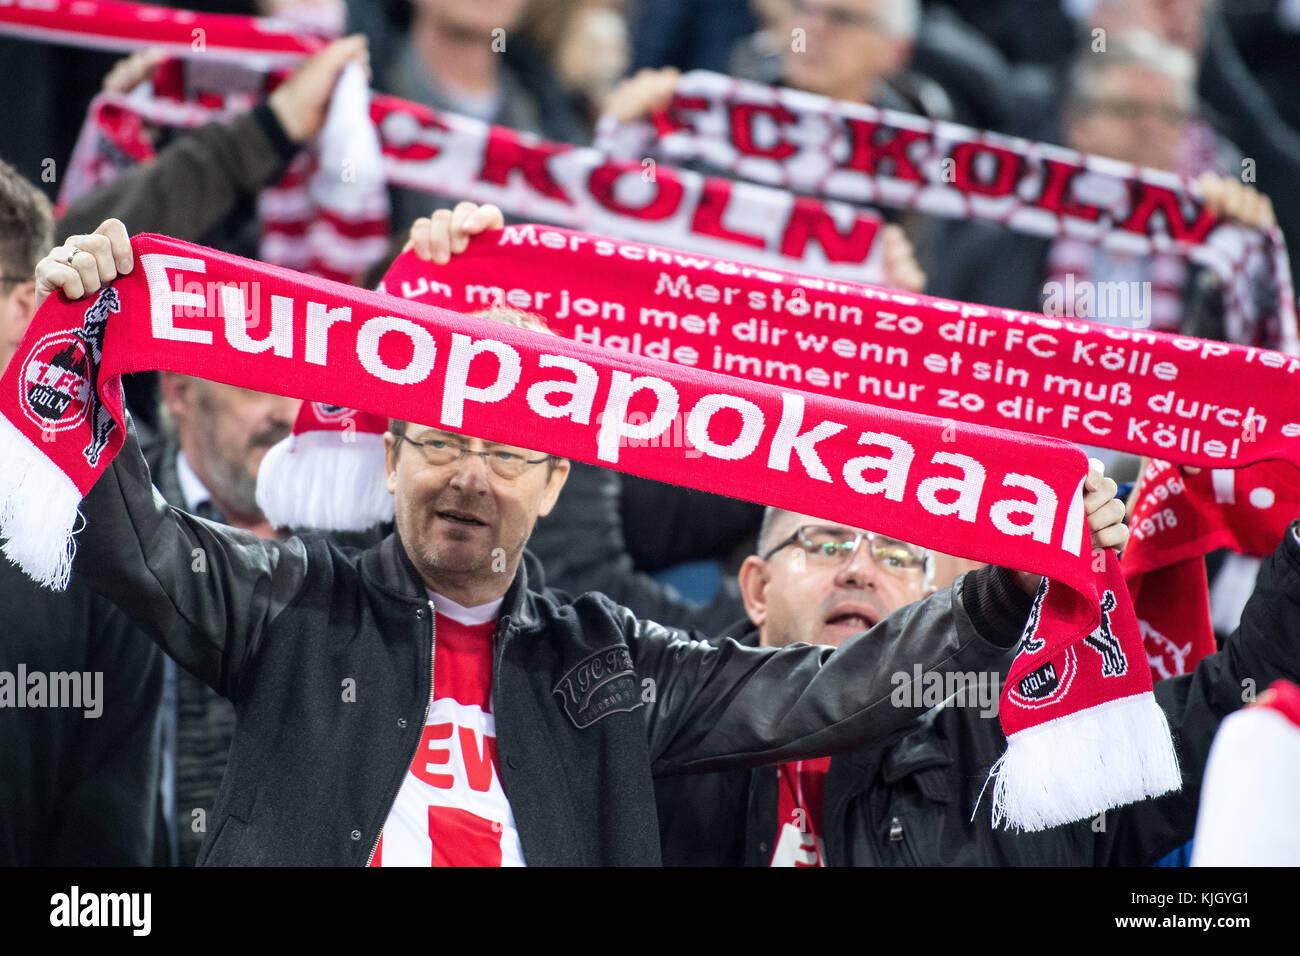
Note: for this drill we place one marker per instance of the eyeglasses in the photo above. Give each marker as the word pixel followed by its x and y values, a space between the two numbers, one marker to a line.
pixel 1129 109
pixel 838 16
pixel 829 546
pixel 504 461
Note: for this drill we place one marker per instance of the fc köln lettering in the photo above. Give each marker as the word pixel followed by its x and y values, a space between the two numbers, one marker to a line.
pixel 588 189
pixel 1047 683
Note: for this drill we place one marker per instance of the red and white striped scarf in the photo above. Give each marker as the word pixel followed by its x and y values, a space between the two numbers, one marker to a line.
pixel 849 151
pixel 328 214
pixel 1084 731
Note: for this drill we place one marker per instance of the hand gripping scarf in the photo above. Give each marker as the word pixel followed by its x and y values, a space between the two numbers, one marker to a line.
pixel 1084 731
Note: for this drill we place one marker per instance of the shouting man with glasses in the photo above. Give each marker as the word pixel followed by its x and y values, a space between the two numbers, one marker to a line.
pixel 814 582
pixel 833 581
pixel 918 798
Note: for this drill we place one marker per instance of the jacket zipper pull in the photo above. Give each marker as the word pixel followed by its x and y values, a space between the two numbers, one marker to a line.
pixel 895 830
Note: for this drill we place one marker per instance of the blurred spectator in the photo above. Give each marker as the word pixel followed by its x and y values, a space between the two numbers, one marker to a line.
pixel 202 185
pixel 78 773
pixel 195 183
pixel 470 57
pixel 1132 104
pixel 1134 101
pixel 854 50
pixel 206 463
pixel 1232 106
pixel 586 42
pixel 889 53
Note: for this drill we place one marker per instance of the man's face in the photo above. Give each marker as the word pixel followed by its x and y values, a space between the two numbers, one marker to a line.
pixel 798 595
pixel 225 431
pixel 845 50
pixel 473 19
pixel 463 523
pixel 17 306
pixel 1137 116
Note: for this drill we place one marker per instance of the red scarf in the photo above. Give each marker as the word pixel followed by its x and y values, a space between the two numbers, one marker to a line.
pixel 1143 392
pixel 1209 403
pixel 328 213
pixel 114 25
pixel 1074 705
pixel 838 150
pixel 1176 521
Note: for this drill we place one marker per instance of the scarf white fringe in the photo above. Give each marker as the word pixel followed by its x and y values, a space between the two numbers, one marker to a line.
pixel 38 510
pixel 1079 765
pixel 325 480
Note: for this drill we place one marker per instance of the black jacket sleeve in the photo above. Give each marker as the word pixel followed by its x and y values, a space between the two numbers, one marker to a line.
pixel 732 706
pixel 1264 648
pixel 193 183
pixel 205 592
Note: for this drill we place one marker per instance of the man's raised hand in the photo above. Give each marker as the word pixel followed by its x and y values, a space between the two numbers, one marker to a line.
pixel 1105 519
pixel 301 102
pixel 447 232
pixel 1105 511
pixel 85 263
pixel 638 96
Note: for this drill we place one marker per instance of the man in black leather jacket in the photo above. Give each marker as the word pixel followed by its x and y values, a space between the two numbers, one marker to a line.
pixel 919 798
pixel 328 654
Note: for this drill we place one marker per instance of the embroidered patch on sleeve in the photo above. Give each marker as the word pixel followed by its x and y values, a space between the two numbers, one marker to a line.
pixel 601 684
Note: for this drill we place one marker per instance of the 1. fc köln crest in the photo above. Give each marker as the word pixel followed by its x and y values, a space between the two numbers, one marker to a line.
pixel 56 382
pixel 58 378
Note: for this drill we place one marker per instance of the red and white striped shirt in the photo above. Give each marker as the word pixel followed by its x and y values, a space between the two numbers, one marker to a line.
pixel 451 809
